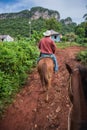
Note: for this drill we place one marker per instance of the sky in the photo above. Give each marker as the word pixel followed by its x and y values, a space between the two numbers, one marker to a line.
pixel 67 8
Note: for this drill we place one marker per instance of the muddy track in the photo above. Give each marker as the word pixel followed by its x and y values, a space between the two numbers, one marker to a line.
pixel 29 110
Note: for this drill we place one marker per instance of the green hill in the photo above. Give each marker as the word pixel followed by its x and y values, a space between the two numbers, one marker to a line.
pixel 17 24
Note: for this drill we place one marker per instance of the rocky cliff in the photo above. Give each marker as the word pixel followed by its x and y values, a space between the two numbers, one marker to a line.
pixel 34 13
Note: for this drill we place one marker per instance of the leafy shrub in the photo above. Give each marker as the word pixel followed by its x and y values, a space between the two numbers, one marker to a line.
pixel 79 40
pixel 16 61
pixel 82 56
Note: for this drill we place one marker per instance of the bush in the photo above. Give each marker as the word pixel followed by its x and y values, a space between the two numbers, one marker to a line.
pixel 16 61
pixel 81 40
pixel 82 56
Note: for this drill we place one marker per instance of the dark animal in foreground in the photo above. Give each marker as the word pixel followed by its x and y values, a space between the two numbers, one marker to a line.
pixel 77 119
pixel 45 69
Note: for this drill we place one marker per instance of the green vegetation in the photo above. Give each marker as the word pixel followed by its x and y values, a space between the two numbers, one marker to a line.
pixel 17 25
pixel 20 26
pixel 82 56
pixel 63 45
pixel 16 61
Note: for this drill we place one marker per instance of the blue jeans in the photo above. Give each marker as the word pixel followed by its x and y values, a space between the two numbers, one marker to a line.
pixel 54 60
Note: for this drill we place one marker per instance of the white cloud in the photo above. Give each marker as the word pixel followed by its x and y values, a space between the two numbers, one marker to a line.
pixel 69 8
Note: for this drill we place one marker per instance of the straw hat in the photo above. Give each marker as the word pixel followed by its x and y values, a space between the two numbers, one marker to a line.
pixel 47 33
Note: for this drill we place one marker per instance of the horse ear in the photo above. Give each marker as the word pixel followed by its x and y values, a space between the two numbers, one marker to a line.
pixel 68 68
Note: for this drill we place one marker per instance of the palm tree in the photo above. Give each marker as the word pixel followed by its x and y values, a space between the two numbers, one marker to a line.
pixel 85 15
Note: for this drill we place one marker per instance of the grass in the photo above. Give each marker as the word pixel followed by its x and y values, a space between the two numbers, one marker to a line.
pixel 64 45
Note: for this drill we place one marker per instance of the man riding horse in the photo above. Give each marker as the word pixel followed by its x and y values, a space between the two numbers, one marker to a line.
pixel 47 48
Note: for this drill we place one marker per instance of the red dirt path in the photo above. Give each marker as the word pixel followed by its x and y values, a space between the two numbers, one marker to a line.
pixel 29 110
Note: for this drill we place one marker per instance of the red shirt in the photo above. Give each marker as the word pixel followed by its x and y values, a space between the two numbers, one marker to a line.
pixel 47 45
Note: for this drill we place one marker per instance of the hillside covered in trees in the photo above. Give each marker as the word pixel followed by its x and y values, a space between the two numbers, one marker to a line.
pixel 18 23
pixel 39 19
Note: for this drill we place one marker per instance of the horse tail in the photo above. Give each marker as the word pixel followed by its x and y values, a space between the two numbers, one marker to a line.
pixel 44 74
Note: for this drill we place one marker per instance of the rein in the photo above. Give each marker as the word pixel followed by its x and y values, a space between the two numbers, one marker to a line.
pixel 75 69
pixel 70 84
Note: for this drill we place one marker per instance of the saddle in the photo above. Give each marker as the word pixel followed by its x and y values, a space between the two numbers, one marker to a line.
pixel 44 56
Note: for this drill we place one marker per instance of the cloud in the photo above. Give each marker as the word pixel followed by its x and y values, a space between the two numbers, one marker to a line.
pixel 15 6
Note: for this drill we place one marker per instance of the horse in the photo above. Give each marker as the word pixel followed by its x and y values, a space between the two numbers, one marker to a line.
pixel 77 90
pixel 45 69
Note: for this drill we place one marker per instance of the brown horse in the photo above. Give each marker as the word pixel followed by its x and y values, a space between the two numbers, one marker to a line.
pixel 45 69
pixel 77 119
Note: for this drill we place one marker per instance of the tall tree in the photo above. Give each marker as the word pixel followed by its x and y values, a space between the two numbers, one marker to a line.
pixel 52 23
pixel 85 15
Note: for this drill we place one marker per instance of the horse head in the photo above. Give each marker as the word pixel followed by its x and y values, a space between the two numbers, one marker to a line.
pixel 77 119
